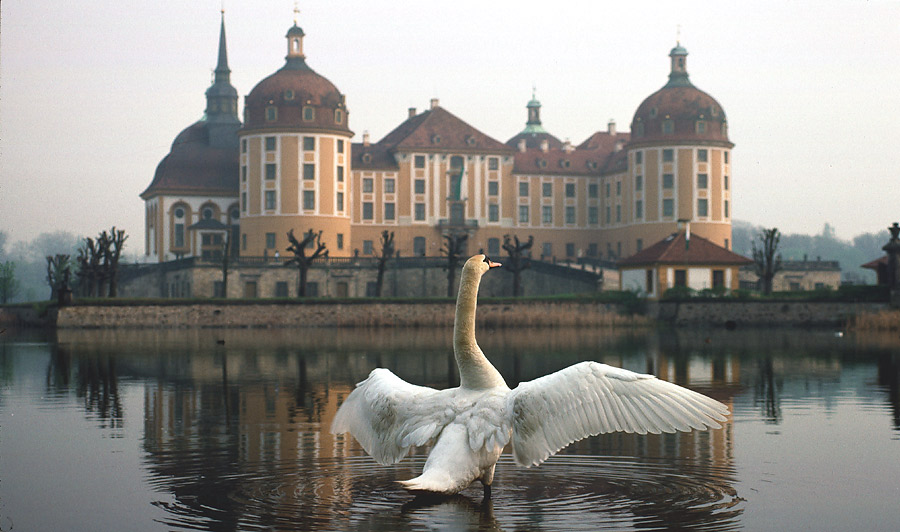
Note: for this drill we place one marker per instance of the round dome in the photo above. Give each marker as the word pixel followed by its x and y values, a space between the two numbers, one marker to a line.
pixel 534 140
pixel 193 166
pixel 295 96
pixel 679 112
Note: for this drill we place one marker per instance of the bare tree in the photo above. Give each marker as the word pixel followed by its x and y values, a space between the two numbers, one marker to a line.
pixel 518 260
pixel 111 248
pixel 300 259
pixel 57 273
pixel 768 263
pixel 9 285
pixel 453 249
pixel 89 268
pixel 387 251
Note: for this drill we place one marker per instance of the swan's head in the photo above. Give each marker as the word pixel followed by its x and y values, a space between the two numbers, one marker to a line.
pixel 480 264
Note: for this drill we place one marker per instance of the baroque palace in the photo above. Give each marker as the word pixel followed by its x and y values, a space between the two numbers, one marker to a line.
pixel 291 164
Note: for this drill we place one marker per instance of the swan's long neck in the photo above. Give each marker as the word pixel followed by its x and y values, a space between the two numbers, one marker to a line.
pixel 475 371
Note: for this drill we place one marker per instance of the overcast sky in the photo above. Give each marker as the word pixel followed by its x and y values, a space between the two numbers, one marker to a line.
pixel 92 93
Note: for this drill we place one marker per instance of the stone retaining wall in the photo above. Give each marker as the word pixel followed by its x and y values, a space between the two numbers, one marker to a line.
pixel 761 313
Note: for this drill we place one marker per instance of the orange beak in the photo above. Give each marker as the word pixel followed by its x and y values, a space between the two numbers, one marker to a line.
pixel 492 264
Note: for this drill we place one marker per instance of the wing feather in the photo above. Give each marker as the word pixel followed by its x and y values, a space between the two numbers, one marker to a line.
pixel 590 398
pixel 388 415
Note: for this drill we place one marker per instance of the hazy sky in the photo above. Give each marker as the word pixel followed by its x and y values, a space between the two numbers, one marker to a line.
pixel 92 93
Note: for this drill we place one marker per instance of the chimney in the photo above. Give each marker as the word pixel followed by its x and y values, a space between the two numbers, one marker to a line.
pixel 567 146
pixel 611 128
pixel 434 103
pixel 545 145
pixel 522 145
pixel 365 138
pixel 412 112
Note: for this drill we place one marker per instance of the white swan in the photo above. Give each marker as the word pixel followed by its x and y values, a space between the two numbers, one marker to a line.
pixel 470 425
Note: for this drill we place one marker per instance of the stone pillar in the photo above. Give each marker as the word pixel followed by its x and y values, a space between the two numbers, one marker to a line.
pixel 892 248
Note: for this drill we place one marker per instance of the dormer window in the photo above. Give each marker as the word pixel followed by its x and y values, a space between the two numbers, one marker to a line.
pixel 668 127
pixel 653 112
pixel 541 163
pixel 309 114
pixel 701 127
pixel 271 113
pixel 435 139
pixel 470 140
pixel 367 158
pixel 639 129
pixel 338 116
pixel 289 94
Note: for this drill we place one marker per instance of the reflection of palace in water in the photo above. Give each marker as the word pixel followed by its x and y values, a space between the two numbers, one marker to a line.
pixel 250 411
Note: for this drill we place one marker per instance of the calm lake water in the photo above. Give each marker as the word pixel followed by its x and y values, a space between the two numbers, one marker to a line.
pixel 228 430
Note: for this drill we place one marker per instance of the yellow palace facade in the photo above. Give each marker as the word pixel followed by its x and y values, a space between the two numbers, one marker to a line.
pixel 291 163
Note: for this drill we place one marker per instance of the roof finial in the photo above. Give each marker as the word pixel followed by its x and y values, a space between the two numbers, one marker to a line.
pixel 678 34
pixel 223 8
pixel 533 91
pixel 296 11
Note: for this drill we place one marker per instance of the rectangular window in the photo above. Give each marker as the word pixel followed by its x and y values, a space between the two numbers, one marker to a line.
pixel 649 281
pixel 570 214
pixel 493 188
pixel 368 247
pixel 493 246
pixel 638 209
pixel 309 171
pixel 618 214
pixel 668 127
pixel 270 170
pixel 639 157
pixel 547 249
pixel 243 173
pixel 367 210
pixel 420 161
pixel 493 163
pixel 570 190
pixel 702 207
pixel 389 211
pixel 593 216
pixel 702 181
pixel 592 249
pixel 389 184
pixel 607 189
pixel 270 200
pixel 726 209
pixel 419 246
pixel 340 146
pixel 725 154
pixel 419 186
pixel 367 185
pixel 668 155
pixel 718 280
pixel 701 127
pixel 593 190
pixel 702 156
pixel 270 143
pixel 547 190
pixel 420 211
pixel 618 188
pixel 523 189
pixel 725 184
pixel 309 200
pixel 493 212
pixel 179 235
pixel 638 182
pixel 340 174
pixel 668 180
pixel 340 201
pixel 608 214
pixel 546 214
pixel 281 289
pixel 244 201
pixel 271 114
pixel 340 240
pixel 668 208
pixel 309 114
pixel 570 249
pixel 680 277
pixel 639 245
pixel 244 146
pixel 523 214
pixel 244 241
pixel 270 240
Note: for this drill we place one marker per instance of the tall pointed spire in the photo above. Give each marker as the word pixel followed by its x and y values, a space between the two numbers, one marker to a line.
pixel 221 99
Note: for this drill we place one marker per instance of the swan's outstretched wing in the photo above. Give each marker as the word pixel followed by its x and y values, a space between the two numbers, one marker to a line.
pixel 590 398
pixel 388 415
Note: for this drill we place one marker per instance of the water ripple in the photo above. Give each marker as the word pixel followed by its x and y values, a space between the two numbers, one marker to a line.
pixel 568 492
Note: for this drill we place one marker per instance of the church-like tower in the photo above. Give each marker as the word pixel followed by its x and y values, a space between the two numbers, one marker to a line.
pixel 294 159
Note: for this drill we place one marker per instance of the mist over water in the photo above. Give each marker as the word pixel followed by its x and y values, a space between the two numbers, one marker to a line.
pixel 228 430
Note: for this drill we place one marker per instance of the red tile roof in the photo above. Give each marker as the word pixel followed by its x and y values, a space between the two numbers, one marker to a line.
pixel 673 250
pixel 372 157
pixel 439 130
pixel 559 162
pixel 875 264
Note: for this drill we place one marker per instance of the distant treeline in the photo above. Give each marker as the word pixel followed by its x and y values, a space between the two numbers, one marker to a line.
pixel 825 246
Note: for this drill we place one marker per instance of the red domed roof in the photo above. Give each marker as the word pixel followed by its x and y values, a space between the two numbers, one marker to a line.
pixel 289 90
pixel 679 111
pixel 194 167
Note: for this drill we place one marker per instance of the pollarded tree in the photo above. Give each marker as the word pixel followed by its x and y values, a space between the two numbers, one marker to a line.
pixel 387 251
pixel 453 249
pixel 57 273
pixel 300 259
pixel 111 247
pixel 768 262
pixel 518 259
